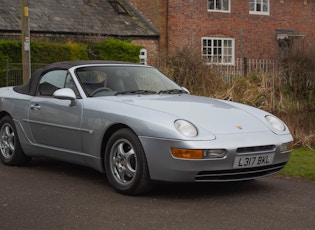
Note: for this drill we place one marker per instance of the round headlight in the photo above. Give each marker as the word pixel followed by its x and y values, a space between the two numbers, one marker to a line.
pixel 275 122
pixel 186 128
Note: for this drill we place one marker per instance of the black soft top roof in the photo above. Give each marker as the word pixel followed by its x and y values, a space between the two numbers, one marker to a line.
pixel 30 86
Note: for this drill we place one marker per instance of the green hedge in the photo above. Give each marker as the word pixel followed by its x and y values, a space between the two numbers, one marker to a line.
pixel 118 50
pixel 45 52
pixel 10 50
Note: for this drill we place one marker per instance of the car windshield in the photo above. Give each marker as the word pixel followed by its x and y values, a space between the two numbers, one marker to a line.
pixel 121 80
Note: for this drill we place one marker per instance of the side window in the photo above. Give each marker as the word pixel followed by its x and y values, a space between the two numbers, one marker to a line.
pixel 51 81
pixel 259 7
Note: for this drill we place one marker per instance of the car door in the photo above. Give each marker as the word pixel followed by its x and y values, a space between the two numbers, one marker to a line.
pixel 53 122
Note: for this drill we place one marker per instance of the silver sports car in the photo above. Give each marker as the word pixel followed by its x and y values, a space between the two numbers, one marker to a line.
pixel 136 125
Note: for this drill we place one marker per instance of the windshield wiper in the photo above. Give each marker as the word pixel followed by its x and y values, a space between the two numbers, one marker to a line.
pixel 136 92
pixel 172 91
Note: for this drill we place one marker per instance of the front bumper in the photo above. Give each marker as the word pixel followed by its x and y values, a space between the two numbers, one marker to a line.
pixel 164 167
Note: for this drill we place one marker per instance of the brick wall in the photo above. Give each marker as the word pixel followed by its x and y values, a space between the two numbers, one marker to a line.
pixel 255 35
pixel 155 12
pixel 152 49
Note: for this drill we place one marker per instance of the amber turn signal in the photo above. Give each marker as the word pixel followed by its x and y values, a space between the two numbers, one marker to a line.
pixel 187 153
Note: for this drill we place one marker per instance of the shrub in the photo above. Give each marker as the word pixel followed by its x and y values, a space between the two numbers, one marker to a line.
pixel 45 52
pixel 288 93
pixel 118 50
pixel 42 52
pixel 10 50
pixel 77 51
pixel 298 78
pixel 187 69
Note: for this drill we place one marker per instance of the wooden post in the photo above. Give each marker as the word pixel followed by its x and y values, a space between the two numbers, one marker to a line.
pixel 245 66
pixel 26 47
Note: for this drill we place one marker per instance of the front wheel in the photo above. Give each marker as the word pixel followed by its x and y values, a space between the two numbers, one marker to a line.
pixel 125 163
pixel 11 152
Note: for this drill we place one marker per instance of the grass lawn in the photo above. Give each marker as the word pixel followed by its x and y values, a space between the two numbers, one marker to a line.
pixel 301 164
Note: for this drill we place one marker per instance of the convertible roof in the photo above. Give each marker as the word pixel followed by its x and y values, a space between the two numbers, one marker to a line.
pixel 30 86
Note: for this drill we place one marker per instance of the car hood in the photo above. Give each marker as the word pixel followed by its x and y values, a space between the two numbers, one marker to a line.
pixel 216 116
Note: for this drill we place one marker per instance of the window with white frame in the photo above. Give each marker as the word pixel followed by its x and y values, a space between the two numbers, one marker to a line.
pixel 219 5
pixel 218 50
pixel 259 7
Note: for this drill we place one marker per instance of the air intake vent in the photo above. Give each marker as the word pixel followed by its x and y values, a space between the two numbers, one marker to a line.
pixel 256 149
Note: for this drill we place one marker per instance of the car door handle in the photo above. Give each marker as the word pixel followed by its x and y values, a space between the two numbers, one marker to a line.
pixel 35 107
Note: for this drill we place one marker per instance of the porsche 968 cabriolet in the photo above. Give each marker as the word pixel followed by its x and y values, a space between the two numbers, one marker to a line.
pixel 137 126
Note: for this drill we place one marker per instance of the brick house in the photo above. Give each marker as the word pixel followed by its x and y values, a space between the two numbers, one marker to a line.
pixel 224 30
pixel 79 20
pixel 221 30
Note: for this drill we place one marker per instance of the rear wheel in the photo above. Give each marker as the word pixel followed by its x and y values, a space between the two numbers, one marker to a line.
pixel 125 163
pixel 11 152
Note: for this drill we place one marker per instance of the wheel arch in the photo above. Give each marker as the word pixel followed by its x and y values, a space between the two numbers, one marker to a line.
pixel 139 181
pixel 3 114
pixel 16 155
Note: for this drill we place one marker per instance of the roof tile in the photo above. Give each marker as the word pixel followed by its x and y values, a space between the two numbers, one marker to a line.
pixel 77 16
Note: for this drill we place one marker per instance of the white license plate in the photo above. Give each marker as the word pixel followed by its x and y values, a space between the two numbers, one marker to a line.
pixel 253 160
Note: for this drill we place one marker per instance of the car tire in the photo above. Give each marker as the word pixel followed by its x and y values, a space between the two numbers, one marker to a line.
pixel 125 164
pixel 11 152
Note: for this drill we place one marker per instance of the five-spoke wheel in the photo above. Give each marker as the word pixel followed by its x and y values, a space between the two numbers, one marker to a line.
pixel 7 140
pixel 11 152
pixel 125 163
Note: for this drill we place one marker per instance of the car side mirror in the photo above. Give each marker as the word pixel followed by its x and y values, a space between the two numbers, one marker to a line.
pixel 66 94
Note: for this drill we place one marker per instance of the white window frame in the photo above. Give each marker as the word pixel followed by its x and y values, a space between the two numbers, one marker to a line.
pixel 219 10
pixel 257 7
pixel 218 50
